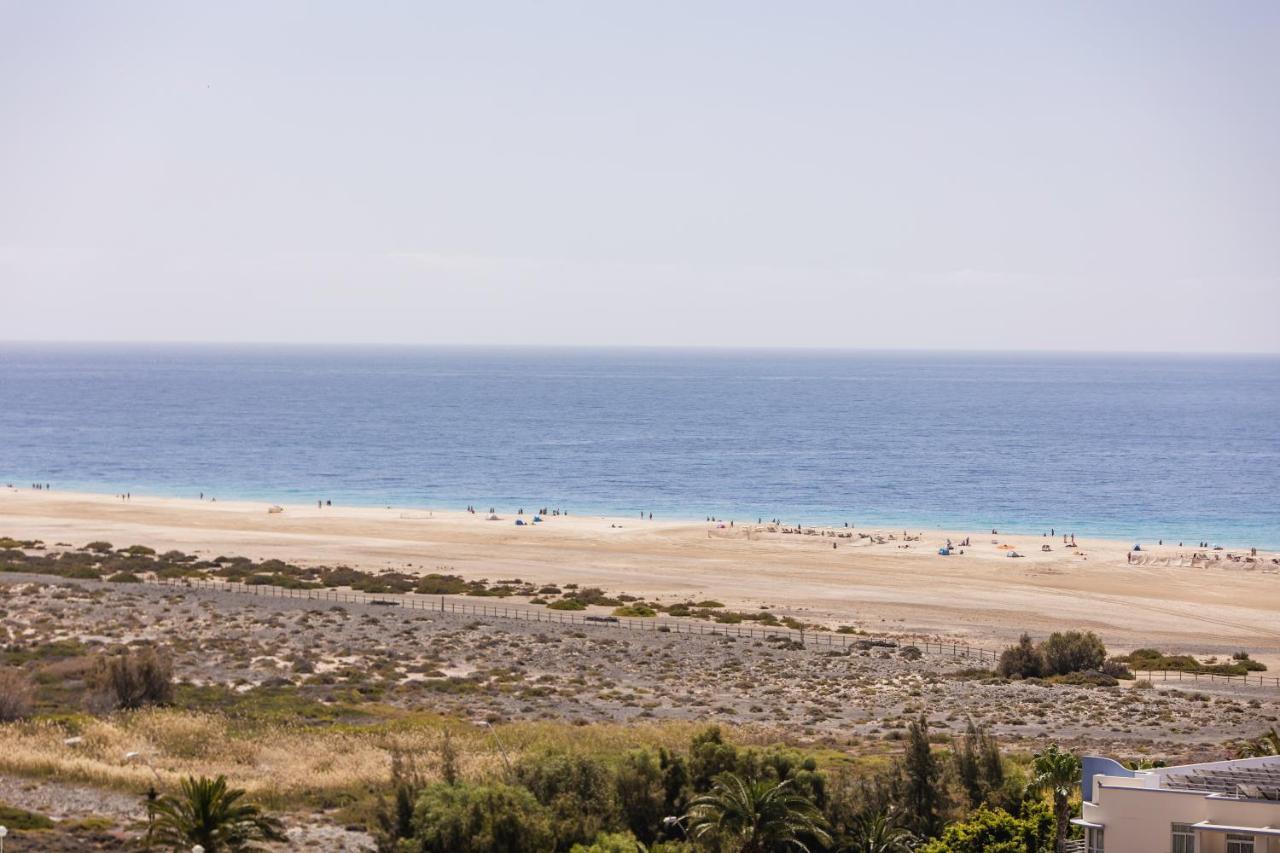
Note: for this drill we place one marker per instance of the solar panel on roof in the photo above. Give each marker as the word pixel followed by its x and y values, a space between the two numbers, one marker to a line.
pixel 1261 781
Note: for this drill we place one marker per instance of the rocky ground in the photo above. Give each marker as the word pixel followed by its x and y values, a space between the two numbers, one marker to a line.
pixel 500 669
pixel 269 652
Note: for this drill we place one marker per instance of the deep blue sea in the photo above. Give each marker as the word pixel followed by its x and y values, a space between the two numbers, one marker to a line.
pixel 1184 448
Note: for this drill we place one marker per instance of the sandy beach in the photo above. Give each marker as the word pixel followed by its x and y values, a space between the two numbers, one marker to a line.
pixel 982 596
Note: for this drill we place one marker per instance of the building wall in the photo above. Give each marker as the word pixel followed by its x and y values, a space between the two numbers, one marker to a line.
pixel 1140 819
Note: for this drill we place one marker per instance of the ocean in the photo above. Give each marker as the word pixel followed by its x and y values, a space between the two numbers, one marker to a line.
pixel 1136 447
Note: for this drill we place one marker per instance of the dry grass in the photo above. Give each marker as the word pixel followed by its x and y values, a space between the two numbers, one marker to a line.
pixel 282 764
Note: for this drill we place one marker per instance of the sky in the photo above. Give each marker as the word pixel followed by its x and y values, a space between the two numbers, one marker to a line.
pixel 984 175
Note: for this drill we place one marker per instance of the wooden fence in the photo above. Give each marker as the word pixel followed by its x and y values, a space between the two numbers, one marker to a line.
pixel 533 613
pixel 674 625
pixel 1249 679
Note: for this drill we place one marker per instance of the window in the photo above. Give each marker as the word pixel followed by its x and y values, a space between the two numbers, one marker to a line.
pixel 1093 840
pixel 1184 838
pixel 1239 843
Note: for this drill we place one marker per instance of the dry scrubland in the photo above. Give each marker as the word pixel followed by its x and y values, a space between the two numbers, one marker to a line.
pixel 304 703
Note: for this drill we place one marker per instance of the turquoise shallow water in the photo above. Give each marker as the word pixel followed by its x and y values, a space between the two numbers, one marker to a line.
pixel 1125 446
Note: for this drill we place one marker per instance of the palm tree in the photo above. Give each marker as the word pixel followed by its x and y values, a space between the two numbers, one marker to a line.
pixel 209 813
pixel 1057 773
pixel 761 814
pixel 880 833
pixel 1266 744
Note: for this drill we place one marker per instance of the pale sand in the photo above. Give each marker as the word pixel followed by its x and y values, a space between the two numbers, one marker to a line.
pixel 983 596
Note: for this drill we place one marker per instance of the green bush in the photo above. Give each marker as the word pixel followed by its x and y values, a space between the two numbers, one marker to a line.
pixel 1061 654
pixel 578 793
pixel 609 842
pixel 594 595
pixel 709 756
pixel 494 818
pixel 996 831
pixel 21 819
pixel 1117 668
pixel 1093 678
pixel 567 604
pixel 635 610
pixel 1154 659
pixel 1021 661
pixel 1072 651
pixel 641 793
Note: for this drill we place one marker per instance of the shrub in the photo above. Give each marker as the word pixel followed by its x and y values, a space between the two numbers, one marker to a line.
pixel 394 816
pixel 609 842
pixel 1021 661
pixel 567 604
pixel 1090 678
pixel 641 793
pixel 21 819
pixel 493 818
pixel 635 610
pixel 98 547
pixel 595 595
pixel 17 694
pixel 1117 668
pixel 438 584
pixel 577 792
pixel 1154 659
pixel 131 680
pixel 1072 651
pixel 997 831
pixel 709 756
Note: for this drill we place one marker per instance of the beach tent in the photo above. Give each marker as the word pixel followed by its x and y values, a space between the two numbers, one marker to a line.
pixel 946 552
pixel 1137 547
pixel 537 518
pixel 519 522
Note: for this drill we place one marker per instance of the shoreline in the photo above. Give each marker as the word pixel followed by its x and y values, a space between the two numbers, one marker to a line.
pixel 816 519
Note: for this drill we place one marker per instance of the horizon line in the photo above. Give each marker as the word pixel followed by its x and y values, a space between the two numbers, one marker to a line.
pixel 706 348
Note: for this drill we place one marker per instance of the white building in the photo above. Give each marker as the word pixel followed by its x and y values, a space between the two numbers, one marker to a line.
pixel 1216 807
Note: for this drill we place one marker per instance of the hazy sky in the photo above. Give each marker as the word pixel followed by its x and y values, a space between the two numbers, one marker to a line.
pixel 977 175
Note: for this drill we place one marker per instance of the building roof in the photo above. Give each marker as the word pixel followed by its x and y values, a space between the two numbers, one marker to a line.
pixel 1250 778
